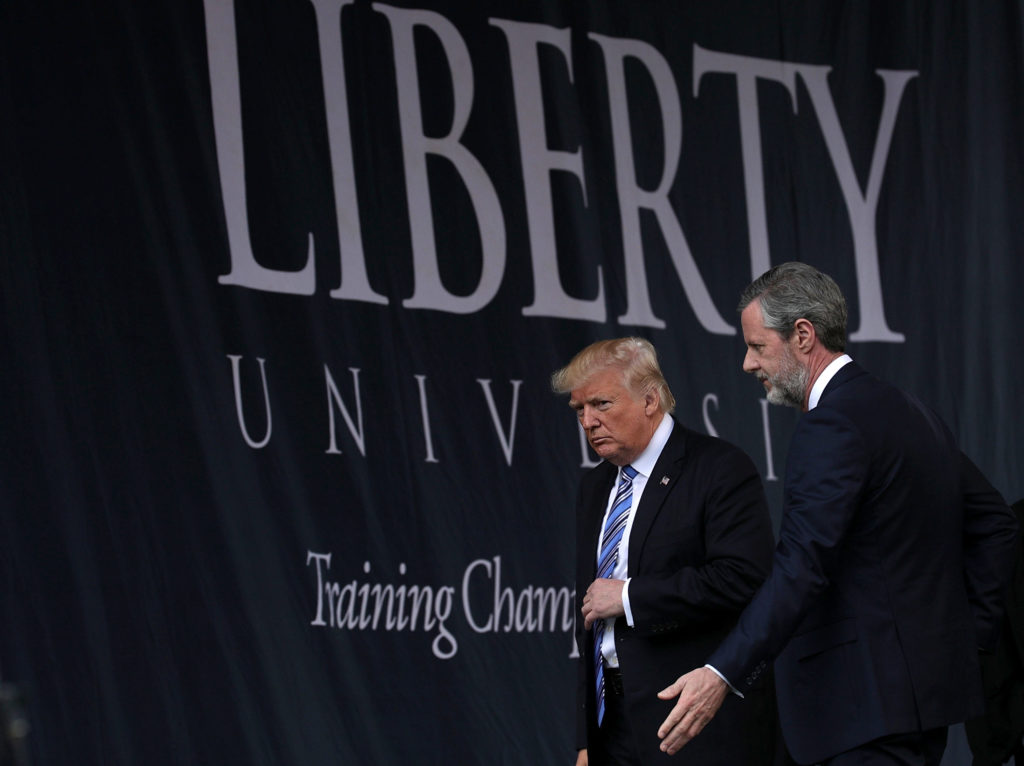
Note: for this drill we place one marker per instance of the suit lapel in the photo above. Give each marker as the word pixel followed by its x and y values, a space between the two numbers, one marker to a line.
pixel 597 504
pixel 660 483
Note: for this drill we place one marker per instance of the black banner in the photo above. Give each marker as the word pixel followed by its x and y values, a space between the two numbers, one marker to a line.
pixel 282 480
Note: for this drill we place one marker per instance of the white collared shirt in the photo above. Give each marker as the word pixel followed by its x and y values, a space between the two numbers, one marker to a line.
pixel 823 380
pixel 644 465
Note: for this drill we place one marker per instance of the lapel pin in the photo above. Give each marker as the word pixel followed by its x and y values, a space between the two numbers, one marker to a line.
pixel 664 481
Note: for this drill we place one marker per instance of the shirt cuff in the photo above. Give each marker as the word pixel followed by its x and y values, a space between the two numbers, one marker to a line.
pixel 625 603
pixel 733 688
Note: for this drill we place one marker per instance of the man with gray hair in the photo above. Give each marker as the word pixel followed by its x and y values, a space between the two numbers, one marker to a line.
pixel 892 557
pixel 673 538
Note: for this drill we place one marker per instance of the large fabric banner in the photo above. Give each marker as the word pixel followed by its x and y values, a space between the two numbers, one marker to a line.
pixel 282 479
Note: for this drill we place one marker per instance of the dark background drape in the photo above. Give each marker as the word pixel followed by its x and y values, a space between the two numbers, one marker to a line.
pixel 282 282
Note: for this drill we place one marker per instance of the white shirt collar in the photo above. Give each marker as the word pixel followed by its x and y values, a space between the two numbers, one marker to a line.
pixel 823 380
pixel 645 463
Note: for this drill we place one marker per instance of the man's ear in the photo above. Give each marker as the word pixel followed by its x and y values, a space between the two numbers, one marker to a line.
pixel 805 334
pixel 652 402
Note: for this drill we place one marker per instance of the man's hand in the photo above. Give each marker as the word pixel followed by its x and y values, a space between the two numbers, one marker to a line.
pixel 581 758
pixel 701 692
pixel 602 600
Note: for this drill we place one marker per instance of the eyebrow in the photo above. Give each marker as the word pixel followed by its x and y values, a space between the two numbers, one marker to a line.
pixel 600 396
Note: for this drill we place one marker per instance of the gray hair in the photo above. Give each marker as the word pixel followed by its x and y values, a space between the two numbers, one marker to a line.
pixel 792 291
pixel 635 357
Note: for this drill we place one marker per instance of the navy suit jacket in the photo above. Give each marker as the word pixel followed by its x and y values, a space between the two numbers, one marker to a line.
pixel 887 577
pixel 700 546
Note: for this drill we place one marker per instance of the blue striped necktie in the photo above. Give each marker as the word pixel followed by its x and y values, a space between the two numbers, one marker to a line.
pixel 614 528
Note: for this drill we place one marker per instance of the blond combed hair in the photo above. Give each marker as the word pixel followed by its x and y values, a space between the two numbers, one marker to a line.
pixel 634 357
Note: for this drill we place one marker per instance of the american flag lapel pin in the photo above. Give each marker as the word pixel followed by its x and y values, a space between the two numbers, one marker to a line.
pixel 664 481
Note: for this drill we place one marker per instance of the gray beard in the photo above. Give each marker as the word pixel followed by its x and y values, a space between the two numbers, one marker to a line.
pixel 789 385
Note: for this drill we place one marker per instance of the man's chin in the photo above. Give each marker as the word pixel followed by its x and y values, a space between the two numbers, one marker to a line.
pixel 777 396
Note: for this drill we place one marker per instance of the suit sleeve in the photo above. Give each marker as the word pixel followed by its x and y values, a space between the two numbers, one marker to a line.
pixel 990 544
pixel 583 636
pixel 737 542
pixel 827 472
pixel 581 699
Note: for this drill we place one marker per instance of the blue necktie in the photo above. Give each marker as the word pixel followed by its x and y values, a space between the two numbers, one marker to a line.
pixel 614 528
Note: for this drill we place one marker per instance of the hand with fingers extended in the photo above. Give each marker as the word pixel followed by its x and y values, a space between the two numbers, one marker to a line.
pixel 602 600
pixel 701 693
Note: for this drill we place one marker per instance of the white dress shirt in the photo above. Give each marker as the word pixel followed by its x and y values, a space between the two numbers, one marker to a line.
pixel 643 465
pixel 826 375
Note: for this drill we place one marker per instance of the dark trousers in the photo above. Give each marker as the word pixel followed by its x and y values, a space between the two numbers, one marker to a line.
pixel 617 739
pixel 915 749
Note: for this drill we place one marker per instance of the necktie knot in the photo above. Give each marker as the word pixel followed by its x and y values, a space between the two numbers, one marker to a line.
pixel 629 472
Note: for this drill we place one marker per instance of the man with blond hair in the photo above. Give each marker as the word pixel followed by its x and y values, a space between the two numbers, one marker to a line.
pixel 673 537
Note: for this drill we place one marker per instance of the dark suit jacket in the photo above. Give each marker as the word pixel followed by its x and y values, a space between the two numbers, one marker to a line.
pixel 998 734
pixel 700 545
pixel 887 576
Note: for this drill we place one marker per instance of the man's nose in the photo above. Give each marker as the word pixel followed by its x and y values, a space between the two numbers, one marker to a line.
pixel 587 419
pixel 749 365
